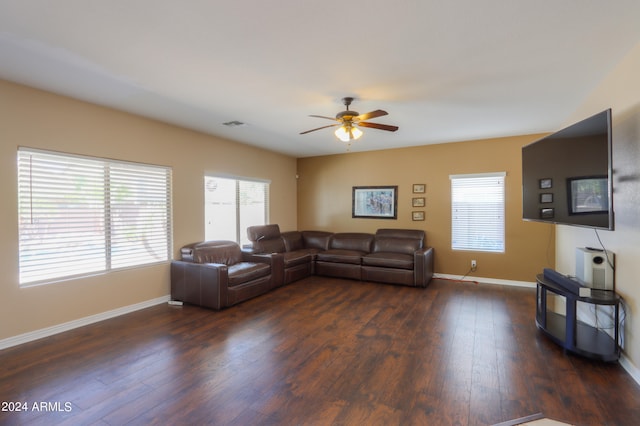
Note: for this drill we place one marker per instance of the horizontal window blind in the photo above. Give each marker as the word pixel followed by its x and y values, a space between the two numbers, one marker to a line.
pixel 82 215
pixel 477 212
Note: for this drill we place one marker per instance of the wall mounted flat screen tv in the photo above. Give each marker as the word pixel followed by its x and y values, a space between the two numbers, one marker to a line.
pixel 567 176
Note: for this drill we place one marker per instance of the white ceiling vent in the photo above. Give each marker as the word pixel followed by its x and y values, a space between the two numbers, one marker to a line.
pixel 235 123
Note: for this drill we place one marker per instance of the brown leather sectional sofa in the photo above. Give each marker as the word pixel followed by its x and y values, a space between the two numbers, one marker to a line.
pixel 392 256
pixel 218 274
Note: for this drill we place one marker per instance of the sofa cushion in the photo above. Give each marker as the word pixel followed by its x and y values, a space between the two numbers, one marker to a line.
pixel 396 245
pixel 293 240
pixel 224 252
pixel 316 239
pixel 258 232
pixel 351 241
pixel 243 272
pixel 341 256
pixel 389 260
pixel 417 234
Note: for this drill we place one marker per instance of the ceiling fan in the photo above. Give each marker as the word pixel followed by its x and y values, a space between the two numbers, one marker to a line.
pixel 349 121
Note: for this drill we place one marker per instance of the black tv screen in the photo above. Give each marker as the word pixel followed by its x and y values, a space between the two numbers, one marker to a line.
pixel 567 176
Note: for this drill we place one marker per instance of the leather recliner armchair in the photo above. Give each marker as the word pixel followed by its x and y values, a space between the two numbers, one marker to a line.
pixel 218 274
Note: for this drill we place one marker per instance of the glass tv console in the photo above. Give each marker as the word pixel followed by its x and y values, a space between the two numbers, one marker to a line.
pixel 588 326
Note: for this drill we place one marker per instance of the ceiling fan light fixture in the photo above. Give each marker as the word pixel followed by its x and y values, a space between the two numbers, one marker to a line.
pixel 348 133
pixel 348 123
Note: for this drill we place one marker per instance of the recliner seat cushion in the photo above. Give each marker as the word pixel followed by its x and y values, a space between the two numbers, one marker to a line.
pixel 341 256
pixel 243 272
pixel 389 260
pixel 297 257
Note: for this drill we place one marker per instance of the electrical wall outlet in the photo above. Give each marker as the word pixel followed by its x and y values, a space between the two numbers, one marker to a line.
pixel 474 265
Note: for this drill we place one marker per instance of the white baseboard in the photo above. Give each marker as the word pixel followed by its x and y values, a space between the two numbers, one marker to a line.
pixel 471 279
pixel 60 328
pixel 630 368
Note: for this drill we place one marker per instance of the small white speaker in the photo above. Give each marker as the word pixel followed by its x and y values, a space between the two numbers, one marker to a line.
pixel 595 268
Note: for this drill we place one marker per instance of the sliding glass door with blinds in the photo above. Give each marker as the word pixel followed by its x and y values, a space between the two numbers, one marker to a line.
pixel 83 215
pixel 477 212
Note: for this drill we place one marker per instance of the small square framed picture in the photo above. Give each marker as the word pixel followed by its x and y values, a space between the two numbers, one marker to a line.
pixel 417 215
pixel 417 202
pixel 546 213
pixel 546 183
pixel 419 188
pixel 546 198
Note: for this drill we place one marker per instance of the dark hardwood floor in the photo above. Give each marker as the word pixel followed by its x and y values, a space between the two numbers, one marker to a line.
pixel 319 351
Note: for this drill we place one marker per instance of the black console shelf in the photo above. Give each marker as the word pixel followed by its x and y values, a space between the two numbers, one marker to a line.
pixel 568 331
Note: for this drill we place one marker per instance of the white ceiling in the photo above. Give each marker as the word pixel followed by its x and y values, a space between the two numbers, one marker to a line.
pixel 444 70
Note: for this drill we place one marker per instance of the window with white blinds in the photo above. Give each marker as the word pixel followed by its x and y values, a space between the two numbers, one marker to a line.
pixel 477 212
pixel 82 215
pixel 232 205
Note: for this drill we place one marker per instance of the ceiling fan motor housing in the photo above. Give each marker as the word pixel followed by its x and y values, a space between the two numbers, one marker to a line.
pixel 347 115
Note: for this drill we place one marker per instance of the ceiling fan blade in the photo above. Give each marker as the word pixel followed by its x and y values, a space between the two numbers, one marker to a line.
pixel 322 116
pixel 323 127
pixel 372 114
pixel 378 126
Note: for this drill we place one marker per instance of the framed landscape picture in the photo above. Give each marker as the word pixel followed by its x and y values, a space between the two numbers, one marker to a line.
pixel 375 202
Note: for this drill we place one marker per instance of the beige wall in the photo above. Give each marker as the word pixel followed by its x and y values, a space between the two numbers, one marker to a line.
pixel 42 120
pixel 620 91
pixel 38 119
pixel 324 200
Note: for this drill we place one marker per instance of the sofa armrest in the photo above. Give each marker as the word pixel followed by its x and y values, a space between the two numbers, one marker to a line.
pixel 423 266
pixel 251 256
pixel 202 284
pixel 186 252
pixel 276 260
